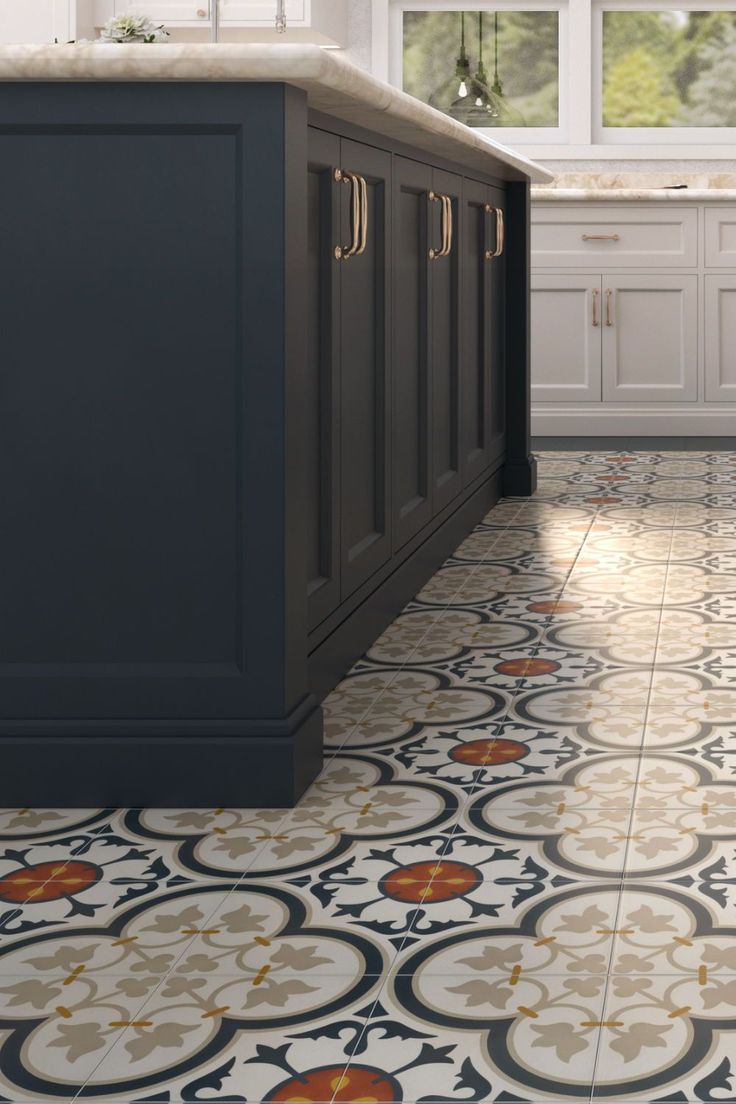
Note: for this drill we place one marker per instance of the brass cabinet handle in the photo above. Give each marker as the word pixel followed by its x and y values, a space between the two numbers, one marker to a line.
pixel 609 311
pixel 491 254
pixel 600 237
pixel 596 293
pixel 447 228
pixel 358 217
pixel 363 186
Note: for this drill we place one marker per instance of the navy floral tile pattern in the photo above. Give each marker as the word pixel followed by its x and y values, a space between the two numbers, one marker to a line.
pixel 514 881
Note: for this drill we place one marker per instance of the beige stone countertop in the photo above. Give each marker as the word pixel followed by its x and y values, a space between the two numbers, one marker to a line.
pixel 634 195
pixel 333 84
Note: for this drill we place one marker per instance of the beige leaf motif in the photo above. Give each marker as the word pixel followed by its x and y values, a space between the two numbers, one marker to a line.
pixel 299 958
pixel 587 920
pixel 243 919
pixel 33 818
pixel 277 994
pixel 80 1039
pixel 493 957
pixel 562 1037
pixel 174 921
pixel 476 993
pixel 655 845
pixel 164 1035
pixel 192 819
pixel 638 1036
pixel 235 846
pixel 599 845
pixel 719 993
pixel 647 920
pixel 724 957
pixel 34 992
pixel 64 959
pixel 630 986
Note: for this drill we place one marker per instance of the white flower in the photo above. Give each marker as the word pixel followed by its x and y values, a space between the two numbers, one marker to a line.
pixel 132 28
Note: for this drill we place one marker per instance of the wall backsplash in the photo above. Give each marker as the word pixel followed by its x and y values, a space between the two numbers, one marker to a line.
pixel 359 31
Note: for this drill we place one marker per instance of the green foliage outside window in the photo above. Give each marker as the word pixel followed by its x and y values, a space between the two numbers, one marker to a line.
pixel 669 69
pixel 528 61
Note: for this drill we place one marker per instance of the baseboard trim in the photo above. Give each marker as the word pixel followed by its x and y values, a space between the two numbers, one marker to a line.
pixel 649 443
pixel 593 420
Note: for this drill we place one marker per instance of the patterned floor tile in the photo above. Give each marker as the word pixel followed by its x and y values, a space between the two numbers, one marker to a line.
pixel 514 880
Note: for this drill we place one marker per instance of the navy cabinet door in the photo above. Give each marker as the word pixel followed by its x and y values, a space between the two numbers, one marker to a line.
pixel 322 383
pixel 365 520
pixel 496 277
pixel 411 460
pixel 478 327
pixel 148 433
pixel 444 278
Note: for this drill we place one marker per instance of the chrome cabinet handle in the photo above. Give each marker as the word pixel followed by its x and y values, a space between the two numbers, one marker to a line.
pixel 358 216
pixel 447 227
pixel 596 293
pixel 491 254
pixel 609 309
pixel 600 237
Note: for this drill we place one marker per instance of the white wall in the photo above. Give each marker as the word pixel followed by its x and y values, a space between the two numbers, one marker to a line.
pixel 359 31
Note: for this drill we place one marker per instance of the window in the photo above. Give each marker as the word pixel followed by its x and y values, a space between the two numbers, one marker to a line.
pixel 645 79
pixel 488 69
pixel 669 68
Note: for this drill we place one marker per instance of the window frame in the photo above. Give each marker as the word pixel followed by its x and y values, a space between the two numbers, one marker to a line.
pixel 580 133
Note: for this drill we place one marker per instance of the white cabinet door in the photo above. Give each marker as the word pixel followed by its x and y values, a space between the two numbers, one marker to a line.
pixel 720 338
pixel 650 338
pixel 321 21
pixel 167 11
pixel 566 338
pixel 27 21
pixel 261 12
pixel 720 237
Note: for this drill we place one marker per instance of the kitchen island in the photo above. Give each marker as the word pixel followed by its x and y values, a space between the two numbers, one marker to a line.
pixel 265 362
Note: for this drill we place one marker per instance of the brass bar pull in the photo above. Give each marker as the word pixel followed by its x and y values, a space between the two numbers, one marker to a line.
pixel 596 293
pixel 446 226
pixel 491 254
pixel 609 311
pixel 500 232
pixel 344 252
pixel 444 250
pixel 601 237
pixel 363 189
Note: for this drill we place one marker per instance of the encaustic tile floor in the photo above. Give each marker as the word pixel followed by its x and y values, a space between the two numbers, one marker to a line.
pixel 514 881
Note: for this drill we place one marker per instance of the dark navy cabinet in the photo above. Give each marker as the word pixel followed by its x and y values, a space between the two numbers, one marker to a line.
pixel 282 370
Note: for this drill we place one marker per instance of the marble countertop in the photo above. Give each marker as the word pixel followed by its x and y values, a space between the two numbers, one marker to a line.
pixel 634 195
pixel 333 84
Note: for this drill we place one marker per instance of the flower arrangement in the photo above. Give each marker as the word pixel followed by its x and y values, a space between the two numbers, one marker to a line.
pixel 132 28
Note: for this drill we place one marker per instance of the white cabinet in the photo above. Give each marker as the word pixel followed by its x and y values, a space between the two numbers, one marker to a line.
pixel 162 11
pixel 320 21
pixel 650 338
pixel 566 346
pixel 720 338
pixel 662 359
pixel 26 21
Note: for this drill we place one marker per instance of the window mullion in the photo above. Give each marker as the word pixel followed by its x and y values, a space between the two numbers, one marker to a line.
pixel 577 67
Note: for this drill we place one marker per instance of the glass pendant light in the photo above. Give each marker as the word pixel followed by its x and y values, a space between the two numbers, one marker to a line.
pixel 490 106
pixel 451 95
